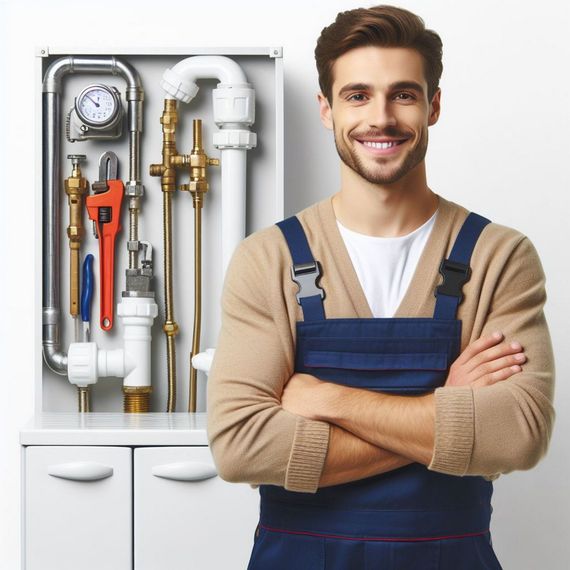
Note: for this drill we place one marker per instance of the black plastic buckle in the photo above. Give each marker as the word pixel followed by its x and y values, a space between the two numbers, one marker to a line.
pixel 455 275
pixel 307 275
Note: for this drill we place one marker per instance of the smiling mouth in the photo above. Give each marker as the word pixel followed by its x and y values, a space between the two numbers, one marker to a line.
pixel 382 145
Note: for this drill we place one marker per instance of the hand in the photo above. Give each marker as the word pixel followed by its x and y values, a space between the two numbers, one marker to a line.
pixel 300 395
pixel 483 363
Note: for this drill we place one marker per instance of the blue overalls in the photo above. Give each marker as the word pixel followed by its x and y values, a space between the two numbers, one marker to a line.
pixel 409 518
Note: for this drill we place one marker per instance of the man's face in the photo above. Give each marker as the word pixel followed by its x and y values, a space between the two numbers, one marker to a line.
pixel 375 104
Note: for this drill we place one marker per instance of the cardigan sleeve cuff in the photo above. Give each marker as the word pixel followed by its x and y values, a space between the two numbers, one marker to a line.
pixel 310 446
pixel 454 430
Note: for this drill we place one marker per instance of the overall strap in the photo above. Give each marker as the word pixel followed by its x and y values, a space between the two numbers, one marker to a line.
pixel 455 269
pixel 305 271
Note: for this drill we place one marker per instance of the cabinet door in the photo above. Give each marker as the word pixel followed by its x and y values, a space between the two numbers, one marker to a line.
pixel 78 508
pixel 186 517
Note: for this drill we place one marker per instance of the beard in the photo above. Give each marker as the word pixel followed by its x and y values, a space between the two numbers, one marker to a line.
pixel 381 172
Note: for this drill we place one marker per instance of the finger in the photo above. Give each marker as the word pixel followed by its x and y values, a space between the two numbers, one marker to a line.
pixel 496 366
pixel 496 357
pixel 498 376
pixel 479 345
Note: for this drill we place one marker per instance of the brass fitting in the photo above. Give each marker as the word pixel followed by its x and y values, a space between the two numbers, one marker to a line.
pixel 170 328
pixel 198 161
pixel 84 399
pixel 170 158
pixel 75 187
pixel 136 399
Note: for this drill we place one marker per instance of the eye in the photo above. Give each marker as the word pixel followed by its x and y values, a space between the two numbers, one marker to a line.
pixel 357 97
pixel 407 98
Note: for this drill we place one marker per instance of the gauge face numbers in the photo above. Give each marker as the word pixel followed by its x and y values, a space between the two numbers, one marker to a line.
pixel 97 105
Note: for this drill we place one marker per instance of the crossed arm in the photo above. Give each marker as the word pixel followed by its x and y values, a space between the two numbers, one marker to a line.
pixel 403 425
pixel 460 431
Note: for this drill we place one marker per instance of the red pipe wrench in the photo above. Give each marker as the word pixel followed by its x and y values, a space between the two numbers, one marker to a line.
pixel 104 208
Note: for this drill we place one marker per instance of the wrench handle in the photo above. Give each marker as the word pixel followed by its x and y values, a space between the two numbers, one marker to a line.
pixel 107 270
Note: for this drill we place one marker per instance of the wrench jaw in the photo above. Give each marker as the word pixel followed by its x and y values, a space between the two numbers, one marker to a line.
pixel 104 208
pixel 108 166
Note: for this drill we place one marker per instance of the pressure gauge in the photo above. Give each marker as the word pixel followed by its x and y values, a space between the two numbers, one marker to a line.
pixel 98 105
pixel 97 114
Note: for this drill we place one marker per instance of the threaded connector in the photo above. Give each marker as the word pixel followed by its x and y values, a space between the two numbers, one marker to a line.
pixel 136 399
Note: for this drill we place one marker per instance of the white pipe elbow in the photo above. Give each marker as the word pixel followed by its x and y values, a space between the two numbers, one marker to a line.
pixel 179 81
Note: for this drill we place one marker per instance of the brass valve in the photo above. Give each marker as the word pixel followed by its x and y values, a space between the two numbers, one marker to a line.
pixel 167 170
pixel 198 161
pixel 75 187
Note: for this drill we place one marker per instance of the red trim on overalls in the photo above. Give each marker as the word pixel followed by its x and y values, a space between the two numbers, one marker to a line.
pixel 372 538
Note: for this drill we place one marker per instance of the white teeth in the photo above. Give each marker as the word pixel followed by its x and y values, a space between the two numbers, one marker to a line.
pixel 380 144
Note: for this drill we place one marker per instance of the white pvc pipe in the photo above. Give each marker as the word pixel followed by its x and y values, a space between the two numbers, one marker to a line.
pixel 137 315
pixel 224 69
pixel 234 163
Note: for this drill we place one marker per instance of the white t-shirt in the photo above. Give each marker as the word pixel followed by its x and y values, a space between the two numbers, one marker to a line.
pixel 385 265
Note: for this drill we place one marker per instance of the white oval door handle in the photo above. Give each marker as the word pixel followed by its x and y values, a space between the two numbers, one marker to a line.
pixel 81 471
pixel 185 471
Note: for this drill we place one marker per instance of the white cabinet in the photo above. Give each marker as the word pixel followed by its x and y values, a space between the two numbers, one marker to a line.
pixel 185 516
pixel 78 508
pixel 137 493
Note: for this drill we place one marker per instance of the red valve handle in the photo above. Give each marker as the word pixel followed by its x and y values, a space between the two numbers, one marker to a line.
pixel 107 233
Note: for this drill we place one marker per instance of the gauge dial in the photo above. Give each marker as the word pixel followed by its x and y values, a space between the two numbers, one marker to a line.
pixel 97 105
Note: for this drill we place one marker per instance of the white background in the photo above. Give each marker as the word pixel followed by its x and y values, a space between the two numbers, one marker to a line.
pixel 500 148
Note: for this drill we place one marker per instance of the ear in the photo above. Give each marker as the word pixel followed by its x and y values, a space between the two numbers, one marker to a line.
pixel 435 108
pixel 325 111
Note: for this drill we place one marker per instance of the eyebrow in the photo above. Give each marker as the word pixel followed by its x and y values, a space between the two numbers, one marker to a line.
pixel 413 85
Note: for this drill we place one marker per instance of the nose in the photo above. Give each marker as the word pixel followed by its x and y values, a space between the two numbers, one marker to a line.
pixel 381 113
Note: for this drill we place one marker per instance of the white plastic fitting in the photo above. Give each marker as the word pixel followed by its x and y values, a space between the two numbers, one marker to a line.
pixel 87 363
pixel 203 360
pixel 180 81
pixel 137 315
pixel 234 104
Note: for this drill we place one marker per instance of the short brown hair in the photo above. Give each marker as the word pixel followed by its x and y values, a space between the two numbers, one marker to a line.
pixel 385 26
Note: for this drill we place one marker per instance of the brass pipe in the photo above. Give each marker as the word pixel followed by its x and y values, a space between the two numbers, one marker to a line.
pixel 198 187
pixel 170 326
pixel 197 298
pixel 167 172
pixel 84 397
pixel 75 187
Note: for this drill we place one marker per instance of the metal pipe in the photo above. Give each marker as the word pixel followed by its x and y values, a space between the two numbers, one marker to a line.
pixel 55 359
pixel 83 394
pixel 197 202
pixel 198 187
pixel 167 173
pixel 170 327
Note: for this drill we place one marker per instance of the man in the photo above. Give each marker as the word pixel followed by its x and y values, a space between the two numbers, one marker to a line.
pixel 368 396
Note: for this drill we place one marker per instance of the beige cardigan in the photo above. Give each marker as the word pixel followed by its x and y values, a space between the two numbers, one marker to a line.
pixel 485 431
